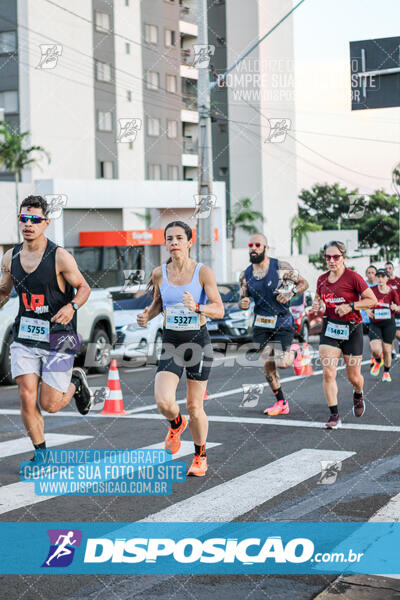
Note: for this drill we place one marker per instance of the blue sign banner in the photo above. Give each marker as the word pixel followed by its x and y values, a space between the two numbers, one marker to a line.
pixel 212 548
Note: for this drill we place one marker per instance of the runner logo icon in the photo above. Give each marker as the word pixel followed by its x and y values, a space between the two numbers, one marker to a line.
pixel 62 547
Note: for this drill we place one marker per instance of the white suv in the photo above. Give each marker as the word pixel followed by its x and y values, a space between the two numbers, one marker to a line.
pixel 95 325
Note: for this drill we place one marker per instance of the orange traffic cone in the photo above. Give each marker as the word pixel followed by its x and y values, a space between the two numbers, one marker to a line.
pixel 114 404
pixel 298 363
pixel 308 370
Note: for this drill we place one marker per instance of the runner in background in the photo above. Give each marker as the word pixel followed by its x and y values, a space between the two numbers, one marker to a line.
pixel 370 278
pixel 394 282
pixel 339 291
pixel 382 328
pixel 273 328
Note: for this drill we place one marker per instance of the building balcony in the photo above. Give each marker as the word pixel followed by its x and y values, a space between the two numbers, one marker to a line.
pixel 188 30
pixel 189 116
pixel 188 71
pixel 190 101
pixel 188 14
pixel 190 146
pixel 190 160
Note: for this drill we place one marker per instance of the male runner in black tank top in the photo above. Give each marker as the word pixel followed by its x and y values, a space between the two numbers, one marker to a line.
pixel 44 276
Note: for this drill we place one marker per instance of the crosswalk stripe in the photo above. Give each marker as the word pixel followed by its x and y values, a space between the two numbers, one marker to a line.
pixel 230 500
pixel 287 422
pixel 21 494
pixel 22 445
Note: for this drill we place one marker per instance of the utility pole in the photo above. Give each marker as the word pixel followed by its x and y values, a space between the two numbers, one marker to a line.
pixel 205 230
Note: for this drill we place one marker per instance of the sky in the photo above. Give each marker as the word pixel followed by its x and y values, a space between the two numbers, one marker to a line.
pixel 322 32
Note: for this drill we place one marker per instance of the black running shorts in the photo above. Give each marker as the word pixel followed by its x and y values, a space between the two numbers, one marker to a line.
pixel 187 349
pixel 384 330
pixel 353 346
pixel 280 338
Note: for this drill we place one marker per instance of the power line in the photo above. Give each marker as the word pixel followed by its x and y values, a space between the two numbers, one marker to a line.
pixel 239 60
pixel 318 153
pixel 336 135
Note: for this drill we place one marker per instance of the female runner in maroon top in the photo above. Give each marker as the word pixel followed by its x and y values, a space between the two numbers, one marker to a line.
pixel 394 282
pixel 343 293
pixel 382 325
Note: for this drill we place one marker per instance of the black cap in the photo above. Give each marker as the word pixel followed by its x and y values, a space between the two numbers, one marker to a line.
pixel 382 272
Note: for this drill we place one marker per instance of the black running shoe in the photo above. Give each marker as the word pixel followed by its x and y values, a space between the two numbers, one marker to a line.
pixel 334 422
pixel 358 406
pixel 83 394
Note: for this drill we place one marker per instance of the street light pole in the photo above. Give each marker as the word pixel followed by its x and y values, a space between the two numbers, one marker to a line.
pixel 205 236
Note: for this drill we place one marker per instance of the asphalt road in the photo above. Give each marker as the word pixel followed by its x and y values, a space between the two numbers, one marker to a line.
pixel 245 441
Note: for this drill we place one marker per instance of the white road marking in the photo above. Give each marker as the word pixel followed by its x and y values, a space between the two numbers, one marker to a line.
pixel 238 496
pixel 235 420
pixel 22 445
pixel 21 494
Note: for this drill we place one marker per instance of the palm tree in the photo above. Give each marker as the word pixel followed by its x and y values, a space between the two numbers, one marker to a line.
pixel 243 217
pixel 15 157
pixel 299 230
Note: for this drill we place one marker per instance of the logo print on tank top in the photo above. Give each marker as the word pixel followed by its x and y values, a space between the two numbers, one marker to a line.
pixel 36 303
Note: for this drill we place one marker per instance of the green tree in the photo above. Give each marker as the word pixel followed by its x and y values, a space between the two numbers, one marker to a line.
pixel 376 218
pixel 244 217
pixel 15 156
pixel 299 230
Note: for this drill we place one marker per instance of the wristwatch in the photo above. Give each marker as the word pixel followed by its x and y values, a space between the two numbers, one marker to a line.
pixel 199 308
pixel 75 306
pixel 351 304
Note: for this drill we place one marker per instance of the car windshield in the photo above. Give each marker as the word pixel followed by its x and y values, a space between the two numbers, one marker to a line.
pixel 131 301
pixel 229 293
pixel 297 300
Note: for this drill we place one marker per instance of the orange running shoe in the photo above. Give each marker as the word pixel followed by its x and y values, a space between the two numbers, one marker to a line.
pixel 199 466
pixel 279 408
pixel 374 371
pixel 173 439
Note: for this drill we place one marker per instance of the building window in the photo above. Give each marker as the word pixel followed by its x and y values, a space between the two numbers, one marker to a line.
pixel 127 48
pixel 170 38
pixel 173 172
pixel 8 42
pixel 151 34
pixel 153 126
pixel 154 171
pixel 126 2
pixel 9 101
pixel 104 121
pixel 171 84
pixel 103 71
pixel 106 169
pixel 152 80
pixel 172 129
pixel 129 95
pixel 102 22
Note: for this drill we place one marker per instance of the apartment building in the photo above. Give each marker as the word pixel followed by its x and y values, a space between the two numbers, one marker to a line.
pixel 109 89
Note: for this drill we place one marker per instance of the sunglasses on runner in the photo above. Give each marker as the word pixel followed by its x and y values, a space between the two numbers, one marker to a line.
pixel 35 219
pixel 334 257
pixel 256 244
